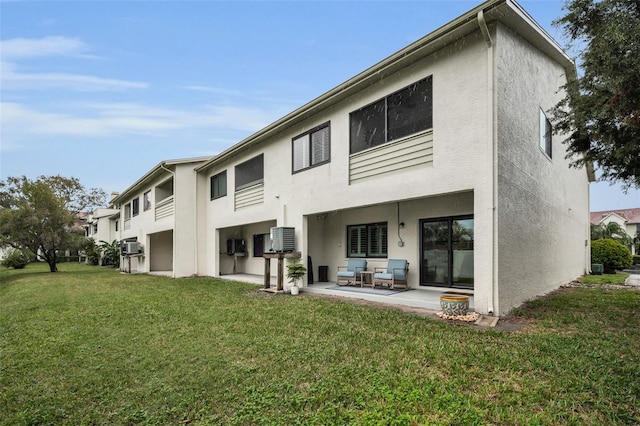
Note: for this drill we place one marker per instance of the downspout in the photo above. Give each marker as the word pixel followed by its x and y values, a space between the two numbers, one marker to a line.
pixel 195 223
pixel 492 141
pixel 173 266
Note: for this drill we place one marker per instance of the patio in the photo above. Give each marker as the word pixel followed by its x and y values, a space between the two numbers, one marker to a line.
pixel 425 298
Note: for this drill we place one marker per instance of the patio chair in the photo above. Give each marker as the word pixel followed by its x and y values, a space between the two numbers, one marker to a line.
pixel 352 273
pixel 395 273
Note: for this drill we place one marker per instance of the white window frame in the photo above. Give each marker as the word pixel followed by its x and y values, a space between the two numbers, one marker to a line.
pixel 311 149
pixel 546 134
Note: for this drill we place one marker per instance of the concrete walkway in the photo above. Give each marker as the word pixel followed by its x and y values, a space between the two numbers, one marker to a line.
pixel 633 279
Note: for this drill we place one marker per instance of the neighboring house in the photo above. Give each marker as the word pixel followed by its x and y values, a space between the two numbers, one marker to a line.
pixel 158 211
pixel 441 154
pixel 102 225
pixel 628 219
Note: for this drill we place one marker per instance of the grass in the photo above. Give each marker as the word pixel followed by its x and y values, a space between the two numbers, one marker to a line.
pixel 91 346
pixel 617 279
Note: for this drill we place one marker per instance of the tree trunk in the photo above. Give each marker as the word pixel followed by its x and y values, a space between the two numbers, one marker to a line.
pixel 51 258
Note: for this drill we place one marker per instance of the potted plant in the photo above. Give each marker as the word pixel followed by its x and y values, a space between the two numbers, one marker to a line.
pixel 295 271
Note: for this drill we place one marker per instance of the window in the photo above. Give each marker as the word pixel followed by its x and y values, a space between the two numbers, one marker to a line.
pixel 400 114
pixel 146 200
pixel 546 132
pixel 311 149
pixel 367 240
pixel 95 228
pixel 219 185
pixel 250 172
pixel 261 244
pixel 117 225
pixel 164 191
pixel 447 252
pixel 135 206
pixel 127 211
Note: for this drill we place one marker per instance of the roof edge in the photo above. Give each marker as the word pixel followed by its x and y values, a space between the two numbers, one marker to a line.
pixel 151 173
pixel 403 55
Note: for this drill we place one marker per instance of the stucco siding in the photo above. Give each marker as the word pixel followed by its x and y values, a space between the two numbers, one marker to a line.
pixel 543 214
pixel 184 241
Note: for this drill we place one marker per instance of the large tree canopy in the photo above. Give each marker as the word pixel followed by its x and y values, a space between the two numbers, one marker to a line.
pixel 601 110
pixel 41 215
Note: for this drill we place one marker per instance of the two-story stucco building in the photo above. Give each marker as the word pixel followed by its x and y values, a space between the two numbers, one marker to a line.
pixel 158 211
pixel 441 154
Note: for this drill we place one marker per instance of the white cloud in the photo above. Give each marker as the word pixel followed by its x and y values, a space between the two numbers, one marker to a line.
pixel 12 80
pixel 21 49
pixel 107 119
pixel 213 90
pixel 17 48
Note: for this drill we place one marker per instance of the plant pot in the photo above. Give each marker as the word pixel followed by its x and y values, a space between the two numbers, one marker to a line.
pixel 295 290
pixel 454 305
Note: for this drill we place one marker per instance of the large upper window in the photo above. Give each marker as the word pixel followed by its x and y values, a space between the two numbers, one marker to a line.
pixel 368 240
pixel 250 172
pixel 135 206
pixel 311 148
pixel 400 114
pixel 546 131
pixel 219 185
pixel 146 200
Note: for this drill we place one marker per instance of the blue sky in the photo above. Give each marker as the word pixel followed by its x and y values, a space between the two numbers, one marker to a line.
pixel 105 90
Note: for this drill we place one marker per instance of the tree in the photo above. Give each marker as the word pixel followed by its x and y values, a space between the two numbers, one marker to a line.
pixel 611 230
pixel 600 112
pixel 41 215
pixel 611 254
pixel 110 252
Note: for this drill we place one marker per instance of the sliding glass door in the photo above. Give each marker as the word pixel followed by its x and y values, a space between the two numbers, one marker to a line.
pixel 447 252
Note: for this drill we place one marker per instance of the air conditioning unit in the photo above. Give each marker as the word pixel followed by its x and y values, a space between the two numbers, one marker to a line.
pixel 283 239
pixel 133 247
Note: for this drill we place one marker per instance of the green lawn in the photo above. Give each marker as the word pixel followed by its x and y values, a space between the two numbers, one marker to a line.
pixel 617 279
pixel 89 345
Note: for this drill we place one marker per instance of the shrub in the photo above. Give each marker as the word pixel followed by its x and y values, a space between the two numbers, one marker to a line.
pixel 92 251
pixel 17 259
pixel 110 252
pixel 611 254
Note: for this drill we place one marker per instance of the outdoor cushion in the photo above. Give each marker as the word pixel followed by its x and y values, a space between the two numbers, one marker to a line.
pixel 353 270
pixel 400 266
pixel 396 273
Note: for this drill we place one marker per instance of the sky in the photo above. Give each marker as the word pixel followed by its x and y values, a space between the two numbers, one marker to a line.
pixel 105 90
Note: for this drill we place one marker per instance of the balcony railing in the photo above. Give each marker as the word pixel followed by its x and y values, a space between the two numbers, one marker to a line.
pixel 164 208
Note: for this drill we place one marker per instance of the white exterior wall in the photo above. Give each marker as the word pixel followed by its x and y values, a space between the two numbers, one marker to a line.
pixel 543 208
pixel 106 227
pixel 184 237
pixel 144 224
pixel 460 165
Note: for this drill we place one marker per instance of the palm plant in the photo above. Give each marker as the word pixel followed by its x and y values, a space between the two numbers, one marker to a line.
pixel 295 271
pixel 611 230
pixel 111 252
